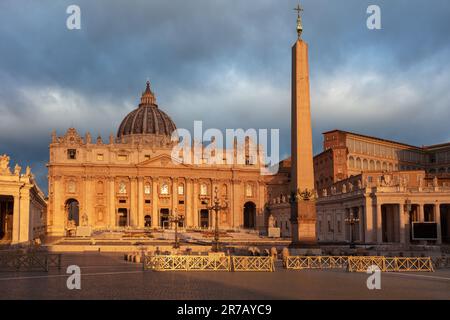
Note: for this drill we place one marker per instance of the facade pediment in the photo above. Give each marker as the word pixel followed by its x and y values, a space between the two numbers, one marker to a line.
pixel 163 161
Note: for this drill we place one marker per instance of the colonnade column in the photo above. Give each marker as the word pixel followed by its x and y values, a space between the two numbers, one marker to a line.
pixel 16 220
pixel 402 219
pixel 437 219
pixel 361 217
pixel 379 218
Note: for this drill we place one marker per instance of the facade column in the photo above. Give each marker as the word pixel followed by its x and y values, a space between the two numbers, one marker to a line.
pixel 437 219
pixel 189 214
pixel 112 203
pixel 133 203
pixel 89 206
pixel 140 205
pixel 155 215
pixel 59 212
pixel 195 213
pixel 174 199
pixel 379 218
pixel 420 212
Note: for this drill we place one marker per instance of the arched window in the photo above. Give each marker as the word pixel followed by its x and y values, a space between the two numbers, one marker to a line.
pixel 372 165
pixel 203 189
pixel 147 188
pixel 249 190
pixel 385 166
pixel 122 187
pixel 351 161
pixel 180 189
pixel 365 164
pixel 378 166
pixel 164 188
pixel 100 187
pixel 358 163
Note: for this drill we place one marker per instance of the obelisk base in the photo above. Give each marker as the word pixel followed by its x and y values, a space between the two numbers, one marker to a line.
pixel 303 224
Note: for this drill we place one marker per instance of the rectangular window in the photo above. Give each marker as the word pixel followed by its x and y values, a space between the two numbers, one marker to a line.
pixel 148 201
pixel 147 157
pixel 71 154
pixel 122 201
pixel 100 157
pixel 122 157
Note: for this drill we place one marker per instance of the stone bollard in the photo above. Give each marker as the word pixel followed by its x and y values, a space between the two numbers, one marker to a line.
pixel 274 253
pixel 285 254
pixel 137 258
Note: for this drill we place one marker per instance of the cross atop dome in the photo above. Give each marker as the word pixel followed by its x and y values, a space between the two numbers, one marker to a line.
pixel 148 98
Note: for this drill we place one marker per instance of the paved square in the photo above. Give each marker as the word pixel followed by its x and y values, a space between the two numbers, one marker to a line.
pixel 108 276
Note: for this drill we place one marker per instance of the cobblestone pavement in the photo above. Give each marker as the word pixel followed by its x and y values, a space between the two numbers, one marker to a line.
pixel 108 276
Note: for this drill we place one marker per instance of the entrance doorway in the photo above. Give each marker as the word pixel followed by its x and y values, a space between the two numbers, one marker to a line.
pixel 122 217
pixel 6 217
pixel 445 222
pixel 164 218
pixel 249 215
pixel 73 211
pixel 204 219
pixel 390 222
pixel 147 221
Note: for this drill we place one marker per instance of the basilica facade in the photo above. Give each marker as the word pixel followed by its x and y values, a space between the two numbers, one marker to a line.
pixel 132 180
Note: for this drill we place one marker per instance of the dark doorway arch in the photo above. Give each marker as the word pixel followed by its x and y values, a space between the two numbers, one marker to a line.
pixel 147 221
pixel 164 221
pixel 204 218
pixel 122 217
pixel 73 211
pixel 6 217
pixel 249 215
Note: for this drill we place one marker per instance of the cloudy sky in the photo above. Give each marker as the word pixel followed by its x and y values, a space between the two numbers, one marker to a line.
pixel 226 62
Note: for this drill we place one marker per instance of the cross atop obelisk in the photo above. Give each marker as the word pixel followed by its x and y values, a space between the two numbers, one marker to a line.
pixel 299 21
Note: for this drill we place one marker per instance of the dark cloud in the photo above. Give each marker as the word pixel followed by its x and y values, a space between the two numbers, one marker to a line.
pixel 226 62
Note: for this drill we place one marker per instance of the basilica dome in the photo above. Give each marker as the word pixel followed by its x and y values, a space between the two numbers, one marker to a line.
pixel 147 119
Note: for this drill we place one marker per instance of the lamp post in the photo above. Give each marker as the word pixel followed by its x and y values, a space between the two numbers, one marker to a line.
pixel 351 220
pixel 216 207
pixel 176 219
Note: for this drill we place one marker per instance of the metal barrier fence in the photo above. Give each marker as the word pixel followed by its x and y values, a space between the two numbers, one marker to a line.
pixel 187 263
pixel 29 261
pixel 359 264
pixel 244 263
pixel 315 262
pixel 208 263
pixel 388 264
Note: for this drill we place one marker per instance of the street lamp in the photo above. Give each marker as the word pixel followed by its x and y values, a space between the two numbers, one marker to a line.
pixel 217 207
pixel 351 221
pixel 176 219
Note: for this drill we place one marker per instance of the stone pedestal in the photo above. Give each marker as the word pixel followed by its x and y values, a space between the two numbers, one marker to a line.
pixel 273 232
pixel 84 231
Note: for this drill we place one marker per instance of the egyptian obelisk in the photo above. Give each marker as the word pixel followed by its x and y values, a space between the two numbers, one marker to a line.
pixel 303 209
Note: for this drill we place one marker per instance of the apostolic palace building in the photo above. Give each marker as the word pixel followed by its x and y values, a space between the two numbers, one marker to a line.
pixel 359 189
